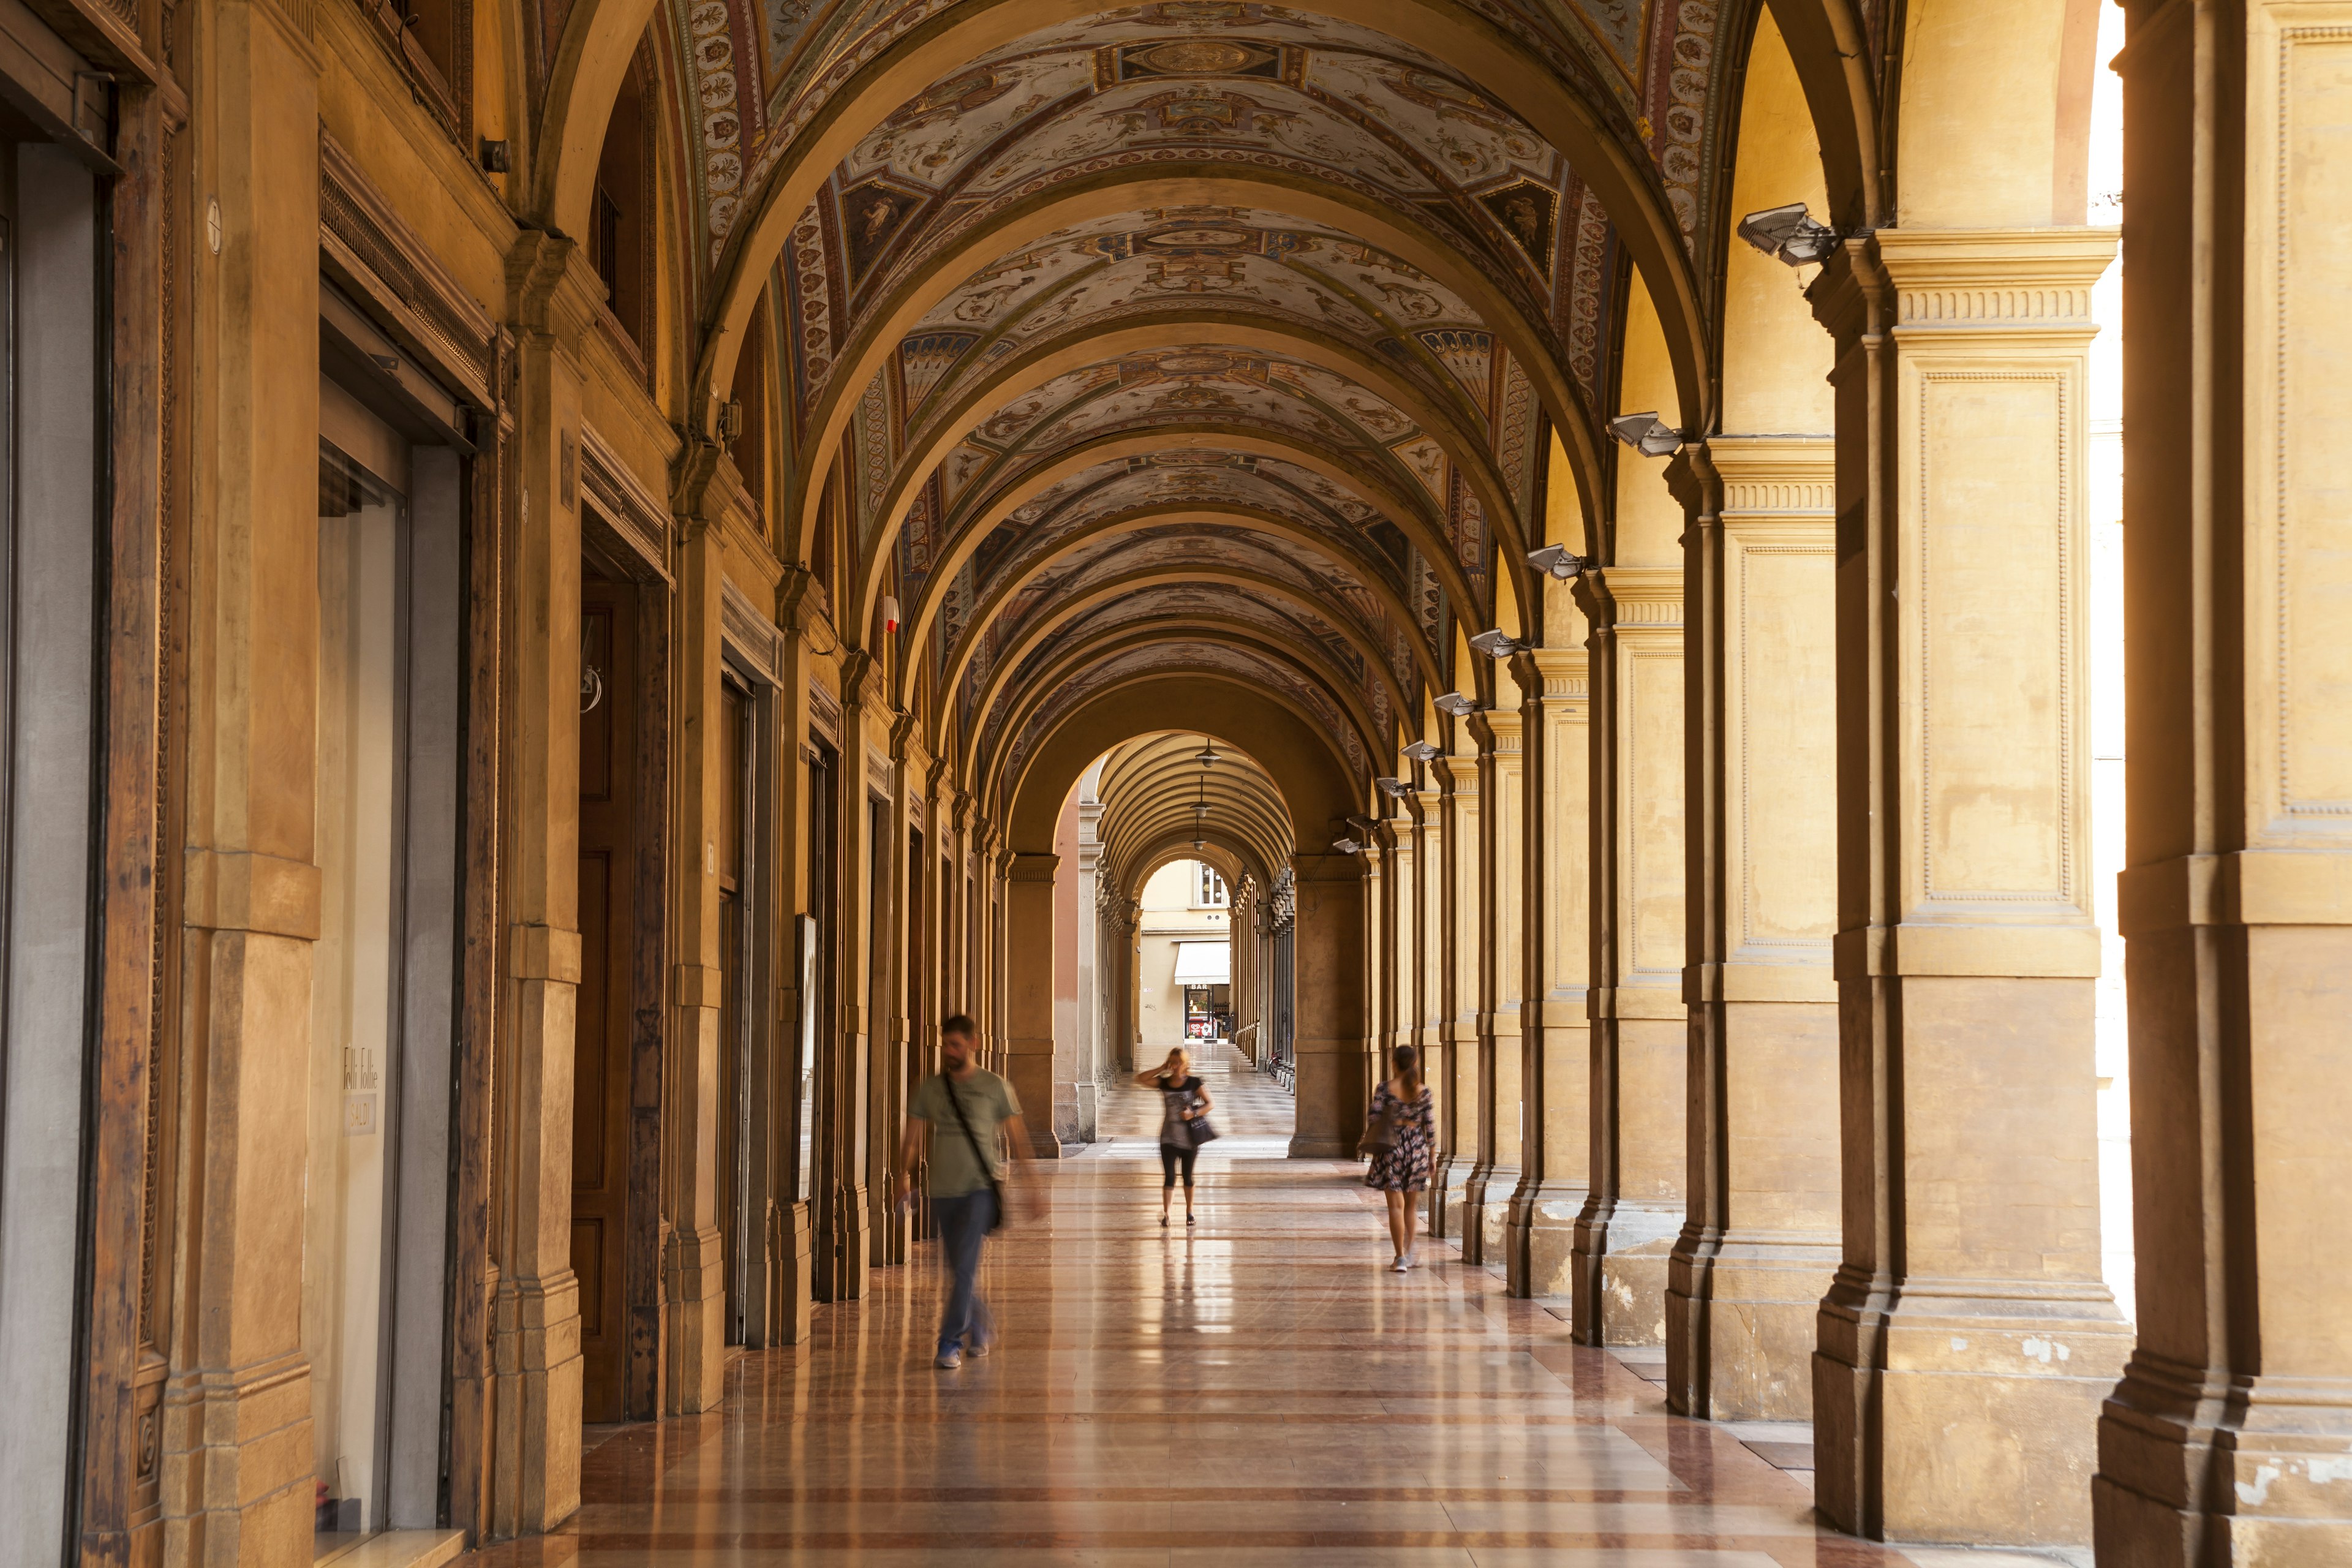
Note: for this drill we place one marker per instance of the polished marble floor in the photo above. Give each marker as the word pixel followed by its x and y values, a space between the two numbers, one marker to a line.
pixel 1256 1390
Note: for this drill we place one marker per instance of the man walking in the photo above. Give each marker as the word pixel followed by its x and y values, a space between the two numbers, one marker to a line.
pixel 962 1111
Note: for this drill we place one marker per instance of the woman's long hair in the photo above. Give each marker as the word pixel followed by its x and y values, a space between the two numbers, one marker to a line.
pixel 1407 1067
pixel 1179 1064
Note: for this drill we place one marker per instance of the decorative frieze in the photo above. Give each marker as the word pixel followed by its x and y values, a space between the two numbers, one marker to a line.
pixel 640 517
pixel 366 248
pixel 751 636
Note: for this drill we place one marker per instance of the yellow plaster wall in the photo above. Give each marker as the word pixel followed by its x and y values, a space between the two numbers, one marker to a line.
pixel 1776 358
pixel 1649 523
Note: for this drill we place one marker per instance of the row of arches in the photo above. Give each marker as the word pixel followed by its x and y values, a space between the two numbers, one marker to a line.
pixel 1647 670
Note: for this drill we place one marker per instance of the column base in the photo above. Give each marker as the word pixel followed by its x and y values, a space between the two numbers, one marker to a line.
pixel 1540 1239
pixel 237 1465
pixel 535 1346
pixel 1958 1416
pixel 792 1261
pixel 1486 1214
pixel 2199 1467
pixel 1443 1218
pixel 1741 1312
pixel 694 1299
pixel 1618 1271
pixel 841 1277
pixel 1469 1231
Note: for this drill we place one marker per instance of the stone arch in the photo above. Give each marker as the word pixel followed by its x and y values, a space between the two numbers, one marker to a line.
pixel 600 36
pixel 1078 459
pixel 1040 363
pixel 1114 192
pixel 1504 67
pixel 959 655
pixel 1043 630
pixel 996 774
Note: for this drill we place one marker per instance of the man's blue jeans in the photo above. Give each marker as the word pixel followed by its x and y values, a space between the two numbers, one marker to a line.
pixel 963 1222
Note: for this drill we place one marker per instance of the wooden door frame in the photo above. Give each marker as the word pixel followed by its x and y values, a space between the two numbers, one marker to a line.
pixel 752 652
pixel 612 548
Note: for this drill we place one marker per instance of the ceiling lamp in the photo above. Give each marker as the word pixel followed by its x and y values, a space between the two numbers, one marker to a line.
pixel 1207 756
pixel 1647 434
pixel 1556 560
pixel 1789 234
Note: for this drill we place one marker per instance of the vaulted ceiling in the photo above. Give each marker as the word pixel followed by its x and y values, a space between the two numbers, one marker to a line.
pixel 1200 335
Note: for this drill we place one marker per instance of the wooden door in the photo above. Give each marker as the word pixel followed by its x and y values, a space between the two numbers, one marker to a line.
pixel 600 1095
pixel 734 878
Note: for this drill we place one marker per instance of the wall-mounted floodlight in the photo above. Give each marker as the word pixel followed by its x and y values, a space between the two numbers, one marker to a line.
pixel 1347 846
pixel 1454 702
pixel 1395 788
pixel 1556 560
pixel 1647 434
pixel 1496 644
pixel 1422 752
pixel 1789 234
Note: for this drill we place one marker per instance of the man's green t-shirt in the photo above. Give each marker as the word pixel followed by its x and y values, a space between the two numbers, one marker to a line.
pixel 988 1103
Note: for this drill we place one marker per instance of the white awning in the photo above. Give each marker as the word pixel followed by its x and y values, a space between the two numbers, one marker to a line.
pixel 1204 962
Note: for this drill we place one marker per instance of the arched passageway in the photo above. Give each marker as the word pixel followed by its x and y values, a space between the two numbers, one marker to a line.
pixel 632 558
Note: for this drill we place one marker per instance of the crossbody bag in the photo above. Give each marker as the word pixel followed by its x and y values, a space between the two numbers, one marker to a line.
pixel 987 1165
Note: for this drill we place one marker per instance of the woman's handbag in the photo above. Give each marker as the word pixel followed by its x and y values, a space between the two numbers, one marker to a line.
pixel 1198 1130
pixel 1380 1135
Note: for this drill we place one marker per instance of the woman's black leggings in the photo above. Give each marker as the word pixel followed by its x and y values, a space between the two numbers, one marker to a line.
pixel 1170 1158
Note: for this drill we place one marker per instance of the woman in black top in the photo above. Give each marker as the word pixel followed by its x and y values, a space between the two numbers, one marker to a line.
pixel 1183 1098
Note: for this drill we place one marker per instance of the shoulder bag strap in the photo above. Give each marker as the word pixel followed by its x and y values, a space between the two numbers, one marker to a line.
pixel 987 1165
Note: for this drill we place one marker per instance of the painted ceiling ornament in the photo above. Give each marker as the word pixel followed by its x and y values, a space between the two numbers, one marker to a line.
pixel 1526 210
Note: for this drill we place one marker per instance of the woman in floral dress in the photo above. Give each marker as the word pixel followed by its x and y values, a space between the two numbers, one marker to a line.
pixel 1401 1169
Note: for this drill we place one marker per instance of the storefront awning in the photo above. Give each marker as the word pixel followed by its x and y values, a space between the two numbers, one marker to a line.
pixel 1204 962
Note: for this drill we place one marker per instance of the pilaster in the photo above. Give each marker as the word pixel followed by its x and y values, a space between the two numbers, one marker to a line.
pixel 1554 1037
pixel 236 1444
pixel 1640 1024
pixel 1454 1047
pixel 2226 1441
pixel 1495 1175
pixel 1967 1315
pixel 1761 1241
pixel 1029 899
pixel 552 295
pixel 1327 983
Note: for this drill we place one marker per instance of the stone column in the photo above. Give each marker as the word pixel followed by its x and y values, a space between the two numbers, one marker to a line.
pixel 1761 1241
pixel 1639 1022
pixel 1029 938
pixel 1430 950
pixel 1968 1317
pixel 1090 993
pixel 236 1439
pixel 1486 1197
pixel 1403 955
pixel 1554 1037
pixel 1328 978
pixel 1380 952
pixel 1454 1069
pixel 2228 1438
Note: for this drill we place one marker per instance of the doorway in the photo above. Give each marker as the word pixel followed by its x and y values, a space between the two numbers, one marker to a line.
pixel 618 1039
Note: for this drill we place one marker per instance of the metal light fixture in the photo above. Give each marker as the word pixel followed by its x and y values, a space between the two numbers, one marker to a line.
pixel 1789 234
pixel 1207 756
pixel 1347 846
pixel 1456 704
pixel 1394 788
pixel 1556 560
pixel 1647 434
pixel 1497 644
pixel 1422 752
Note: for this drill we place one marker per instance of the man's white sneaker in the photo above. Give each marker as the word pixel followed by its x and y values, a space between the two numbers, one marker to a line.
pixel 950 1359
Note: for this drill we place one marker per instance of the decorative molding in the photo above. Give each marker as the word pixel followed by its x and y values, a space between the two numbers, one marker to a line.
pixel 1776 475
pixel 881 778
pixel 1971 280
pixel 366 246
pixel 637 516
pixel 754 638
pixel 824 713
pixel 1644 596
pixel 1033 868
